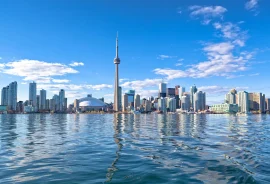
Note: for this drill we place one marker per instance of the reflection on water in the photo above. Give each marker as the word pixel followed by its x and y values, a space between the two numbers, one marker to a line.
pixel 127 148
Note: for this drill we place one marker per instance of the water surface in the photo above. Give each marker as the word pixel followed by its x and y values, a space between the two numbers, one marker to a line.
pixel 127 148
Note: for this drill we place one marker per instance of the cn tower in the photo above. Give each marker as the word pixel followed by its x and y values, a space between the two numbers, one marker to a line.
pixel 116 84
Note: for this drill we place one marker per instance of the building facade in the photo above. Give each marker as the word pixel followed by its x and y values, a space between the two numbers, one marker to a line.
pixel 162 90
pixel 33 94
pixel 137 101
pixel 193 90
pixel 42 100
pixel 4 96
pixel 12 96
pixel 224 108
pixel 62 100
pixel 124 102
pixel 243 102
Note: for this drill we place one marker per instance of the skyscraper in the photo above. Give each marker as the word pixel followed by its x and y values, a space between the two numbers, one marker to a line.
pixel 230 97
pixel 185 102
pixel 61 100
pixel 4 96
pixel 243 101
pixel 56 102
pixel 125 102
pixel 162 90
pixel 12 96
pixel 33 94
pixel 42 100
pixel 181 91
pixel 193 90
pixel 177 97
pixel 120 98
pixel 199 101
pixel 131 95
pixel 116 84
pixel 37 108
pixel 137 101
pixel 171 104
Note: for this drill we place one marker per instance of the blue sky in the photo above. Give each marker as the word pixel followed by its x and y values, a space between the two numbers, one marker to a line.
pixel 217 45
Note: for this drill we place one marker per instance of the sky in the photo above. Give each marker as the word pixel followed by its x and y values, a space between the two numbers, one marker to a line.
pixel 70 44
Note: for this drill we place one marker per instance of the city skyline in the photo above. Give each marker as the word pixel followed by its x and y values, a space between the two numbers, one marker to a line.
pixel 225 51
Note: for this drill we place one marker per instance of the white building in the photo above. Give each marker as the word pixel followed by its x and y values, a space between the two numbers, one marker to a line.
pixel 185 102
pixel 243 102
pixel 199 101
pixel 137 101
pixel 12 96
pixel 193 90
pixel 162 104
pixel 171 104
pixel 181 91
pixel 124 102
pixel 42 100
pixel 33 94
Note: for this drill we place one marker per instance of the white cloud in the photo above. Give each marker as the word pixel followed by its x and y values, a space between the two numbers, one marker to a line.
pixel 220 89
pixel 178 64
pixel 251 4
pixel 254 74
pixel 34 70
pixel 162 57
pixel 23 83
pixel 122 80
pixel 73 87
pixel 77 64
pixel 0 57
pixel 207 12
pixel 180 60
pixel 221 61
pixel 140 84
pixel 60 80
pixel 111 94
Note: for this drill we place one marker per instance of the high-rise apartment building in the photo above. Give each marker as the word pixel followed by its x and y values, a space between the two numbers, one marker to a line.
pixel 56 102
pixel 257 102
pixel 4 96
pixel 12 96
pixel 162 104
pixel 267 104
pixel 125 102
pixel 42 100
pixel 185 102
pixel 182 90
pixel 62 100
pixel 231 97
pixel 199 101
pixel 171 104
pixel 33 94
pixel 243 101
pixel 120 98
pixel 177 96
pixel 193 90
pixel 137 101
pixel 37 108
pixel 131 95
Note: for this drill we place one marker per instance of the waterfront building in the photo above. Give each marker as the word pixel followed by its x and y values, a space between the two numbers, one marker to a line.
pixel 33 94
pixel 125 102
pixel 137 101
pixel 20 107
pixel 193 90
pixel 47 106
pixel 224 108
pixel 177 96
pixel 162 90
pixel 65 105
pixel 146 105
pixel 162 104
pixel 37 108
pixel 199 101
pixel 76 104
pixel 170 92
pixel 131 95
pixel 29 109
pixel 231 97
pixel 185 102
pixel 56 102
pixel 120 98
pixel 62 100
pixel 243 101
pixel 171 104
pixel 116 84
pixel 90 103
pixel 12 96
pixel 257 102
pixel 42 100
pixel 4 96
pixel 52 105
pixel 267 104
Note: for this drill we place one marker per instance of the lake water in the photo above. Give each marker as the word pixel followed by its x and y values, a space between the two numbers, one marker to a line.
pixel 127 148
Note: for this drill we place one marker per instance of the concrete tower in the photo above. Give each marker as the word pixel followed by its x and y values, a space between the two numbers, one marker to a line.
pixel 116 84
